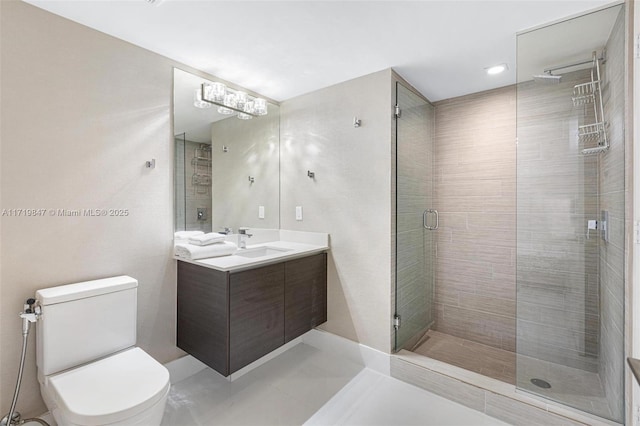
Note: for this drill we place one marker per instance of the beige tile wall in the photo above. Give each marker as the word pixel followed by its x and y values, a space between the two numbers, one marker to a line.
pixel 557 268
pixel 475 169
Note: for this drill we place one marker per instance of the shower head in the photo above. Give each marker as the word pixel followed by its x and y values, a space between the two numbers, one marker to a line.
pixel 547 78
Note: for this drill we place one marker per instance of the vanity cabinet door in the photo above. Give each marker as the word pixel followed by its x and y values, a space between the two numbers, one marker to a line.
pixel 202 323
pixel 256 314
pixel 305 298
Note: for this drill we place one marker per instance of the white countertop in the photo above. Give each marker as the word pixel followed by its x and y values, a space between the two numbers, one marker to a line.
pixel 291 245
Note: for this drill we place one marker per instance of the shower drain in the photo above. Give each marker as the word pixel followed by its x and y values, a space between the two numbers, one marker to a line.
pixel 541 383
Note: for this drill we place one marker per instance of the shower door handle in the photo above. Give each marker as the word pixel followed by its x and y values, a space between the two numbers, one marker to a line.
pixel 433 228
pixel 424 219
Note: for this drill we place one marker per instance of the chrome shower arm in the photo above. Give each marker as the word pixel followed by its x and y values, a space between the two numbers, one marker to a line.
pixel 575 64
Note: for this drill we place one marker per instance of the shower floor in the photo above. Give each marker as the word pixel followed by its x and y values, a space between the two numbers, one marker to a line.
pixel 486 360
pixel 572 386
pixel 578 388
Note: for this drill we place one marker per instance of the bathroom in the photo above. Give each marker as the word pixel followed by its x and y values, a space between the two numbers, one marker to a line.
pixel 74 86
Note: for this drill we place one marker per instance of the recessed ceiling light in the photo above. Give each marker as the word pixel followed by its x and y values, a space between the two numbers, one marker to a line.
pixel 496 69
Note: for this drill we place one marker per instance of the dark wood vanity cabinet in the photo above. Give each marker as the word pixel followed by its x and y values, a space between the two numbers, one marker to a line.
pixel 229 319
pixel 305 295
pixel 256 313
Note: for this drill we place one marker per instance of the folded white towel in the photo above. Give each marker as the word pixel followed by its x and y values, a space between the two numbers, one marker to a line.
pixel 206 239
pixel 193 252
pixel 186 234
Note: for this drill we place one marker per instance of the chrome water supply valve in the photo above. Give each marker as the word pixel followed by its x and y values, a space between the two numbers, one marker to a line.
pixel 31 313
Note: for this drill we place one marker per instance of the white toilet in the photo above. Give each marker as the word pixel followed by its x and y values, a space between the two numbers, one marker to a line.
pixel 89 370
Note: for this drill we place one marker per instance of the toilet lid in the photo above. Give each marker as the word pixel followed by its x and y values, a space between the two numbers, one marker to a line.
pixel 111 389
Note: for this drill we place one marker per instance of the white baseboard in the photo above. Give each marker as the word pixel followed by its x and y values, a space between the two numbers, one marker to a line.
pixel 355 352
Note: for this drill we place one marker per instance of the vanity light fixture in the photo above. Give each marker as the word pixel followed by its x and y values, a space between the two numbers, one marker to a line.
pixel 496 69
pixel 249 106
pixel 215 91
pixel 231 104
pixel 260 106
pixel 230 101
pixel 198 102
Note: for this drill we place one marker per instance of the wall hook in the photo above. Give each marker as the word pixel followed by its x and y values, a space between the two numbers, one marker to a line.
pixel 356 122
pixel 251 179
pixel 150 164
pixel 311 174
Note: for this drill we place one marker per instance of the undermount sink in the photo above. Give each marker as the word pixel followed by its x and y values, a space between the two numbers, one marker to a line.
pixel 261 251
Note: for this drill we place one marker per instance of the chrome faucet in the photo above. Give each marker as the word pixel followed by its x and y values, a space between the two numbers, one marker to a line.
pixel 242 237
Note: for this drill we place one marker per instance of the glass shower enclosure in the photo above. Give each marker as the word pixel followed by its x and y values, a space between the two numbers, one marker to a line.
pixel 570 212
pixel 569 246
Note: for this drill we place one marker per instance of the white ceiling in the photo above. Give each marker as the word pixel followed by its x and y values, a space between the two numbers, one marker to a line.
pixel 282 49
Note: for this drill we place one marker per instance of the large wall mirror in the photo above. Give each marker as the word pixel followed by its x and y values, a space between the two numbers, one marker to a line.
pixel 227 157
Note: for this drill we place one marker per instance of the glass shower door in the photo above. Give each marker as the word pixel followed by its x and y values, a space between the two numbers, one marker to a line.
pixel 414 266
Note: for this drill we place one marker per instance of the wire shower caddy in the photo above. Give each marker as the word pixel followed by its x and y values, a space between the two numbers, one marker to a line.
pixel 591 93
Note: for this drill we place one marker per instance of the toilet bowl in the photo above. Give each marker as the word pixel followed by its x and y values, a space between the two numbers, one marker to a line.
pixel 128 388
pixel 89 370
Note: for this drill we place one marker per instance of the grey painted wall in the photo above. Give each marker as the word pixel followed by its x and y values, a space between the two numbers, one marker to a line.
pixel 349 197
pixel 252 150
pixel 103 109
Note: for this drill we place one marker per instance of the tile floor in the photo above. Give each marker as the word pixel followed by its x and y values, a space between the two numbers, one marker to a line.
pixel 308 386
pixel 487 360
pixel 571 386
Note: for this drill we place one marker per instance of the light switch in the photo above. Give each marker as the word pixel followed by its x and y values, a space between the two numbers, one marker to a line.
pixel 298 212
pixel 260 212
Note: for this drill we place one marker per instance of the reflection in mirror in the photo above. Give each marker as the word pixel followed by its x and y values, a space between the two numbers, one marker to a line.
pixel 226 161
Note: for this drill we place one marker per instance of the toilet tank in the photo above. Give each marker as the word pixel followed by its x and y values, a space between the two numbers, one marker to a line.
pixel 85 321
